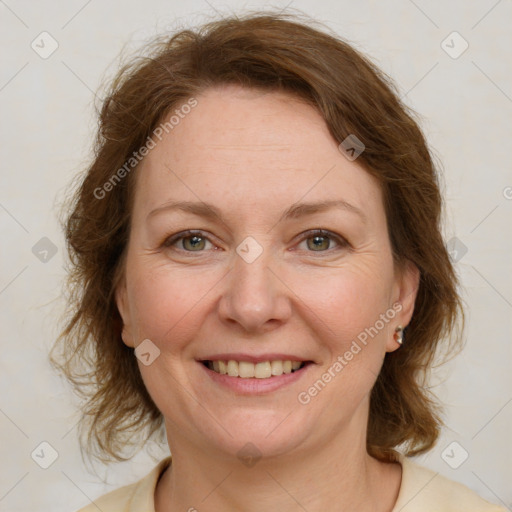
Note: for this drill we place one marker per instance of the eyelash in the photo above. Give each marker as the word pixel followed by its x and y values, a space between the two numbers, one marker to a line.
pixel 170 241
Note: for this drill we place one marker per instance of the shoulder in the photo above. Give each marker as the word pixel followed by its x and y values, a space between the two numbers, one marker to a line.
pixel 424 490
pixel 137 497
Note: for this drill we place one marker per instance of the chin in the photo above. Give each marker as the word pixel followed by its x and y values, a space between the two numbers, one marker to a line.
pixel 257 433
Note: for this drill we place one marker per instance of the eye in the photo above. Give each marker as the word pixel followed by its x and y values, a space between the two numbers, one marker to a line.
pixel 317 240
pixel 190 241
pixel 321 240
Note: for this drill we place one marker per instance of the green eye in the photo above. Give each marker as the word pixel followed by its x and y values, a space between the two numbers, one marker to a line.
pixel 196 242
pixel 319 240
pixel 192 241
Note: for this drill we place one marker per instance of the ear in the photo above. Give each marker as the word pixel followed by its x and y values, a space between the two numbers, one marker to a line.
pixel 124 311
pixel 404 296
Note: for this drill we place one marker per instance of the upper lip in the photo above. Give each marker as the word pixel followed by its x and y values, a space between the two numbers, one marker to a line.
pixel 252 358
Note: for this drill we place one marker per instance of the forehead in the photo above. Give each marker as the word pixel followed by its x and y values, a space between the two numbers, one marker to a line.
pixel 243 147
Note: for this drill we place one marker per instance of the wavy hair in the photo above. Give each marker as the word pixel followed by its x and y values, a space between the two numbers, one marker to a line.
pixel 267 51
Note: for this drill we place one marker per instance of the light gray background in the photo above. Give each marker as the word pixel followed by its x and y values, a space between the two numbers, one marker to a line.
pixel 47 122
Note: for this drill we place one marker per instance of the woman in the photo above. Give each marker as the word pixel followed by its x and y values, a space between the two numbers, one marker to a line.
pixel 258 268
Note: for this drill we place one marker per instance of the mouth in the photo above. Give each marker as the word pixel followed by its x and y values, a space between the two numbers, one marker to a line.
pixel 260 370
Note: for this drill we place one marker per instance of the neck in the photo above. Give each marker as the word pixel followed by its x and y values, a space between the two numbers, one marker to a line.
pixel 337 476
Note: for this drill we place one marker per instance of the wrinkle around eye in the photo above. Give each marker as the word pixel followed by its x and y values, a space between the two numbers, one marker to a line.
pixel 171 240
pixel 338 242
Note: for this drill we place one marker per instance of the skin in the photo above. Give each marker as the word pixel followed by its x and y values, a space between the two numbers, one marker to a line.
pixel 253 155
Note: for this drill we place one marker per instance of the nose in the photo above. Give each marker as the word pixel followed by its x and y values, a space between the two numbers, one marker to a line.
pixel 254 297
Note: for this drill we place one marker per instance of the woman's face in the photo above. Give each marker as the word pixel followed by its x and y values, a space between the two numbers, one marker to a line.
pixel 255 283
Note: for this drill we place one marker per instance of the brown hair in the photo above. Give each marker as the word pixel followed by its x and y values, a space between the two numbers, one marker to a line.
pixel 271 52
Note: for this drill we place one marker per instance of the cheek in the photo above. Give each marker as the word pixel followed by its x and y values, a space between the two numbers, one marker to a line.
pixel 353 323
pixel 348 299
pixel 353 335
pixel 165 301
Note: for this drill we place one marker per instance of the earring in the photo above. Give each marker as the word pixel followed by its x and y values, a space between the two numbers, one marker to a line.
pixel 399 337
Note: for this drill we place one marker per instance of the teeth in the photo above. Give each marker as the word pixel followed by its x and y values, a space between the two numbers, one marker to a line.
pixel 246 370
pixel 262 370
pixel 232 368
pixel 276 367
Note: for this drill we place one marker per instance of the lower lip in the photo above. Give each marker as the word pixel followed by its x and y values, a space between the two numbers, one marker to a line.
pixel 254 386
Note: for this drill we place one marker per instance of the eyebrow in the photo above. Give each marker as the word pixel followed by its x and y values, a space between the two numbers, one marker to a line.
pixel 209 211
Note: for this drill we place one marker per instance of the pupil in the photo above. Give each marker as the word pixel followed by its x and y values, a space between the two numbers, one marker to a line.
pixel 317 241
pixel 195 240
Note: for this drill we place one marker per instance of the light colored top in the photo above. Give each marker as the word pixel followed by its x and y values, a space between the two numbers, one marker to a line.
pixel 421 490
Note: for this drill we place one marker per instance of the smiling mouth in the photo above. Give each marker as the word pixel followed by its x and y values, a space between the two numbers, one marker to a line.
pixel 248 370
